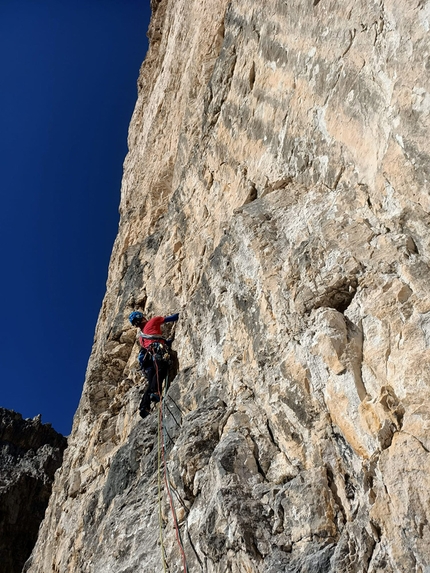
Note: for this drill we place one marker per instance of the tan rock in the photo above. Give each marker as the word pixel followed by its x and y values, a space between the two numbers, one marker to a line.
pixel 276 192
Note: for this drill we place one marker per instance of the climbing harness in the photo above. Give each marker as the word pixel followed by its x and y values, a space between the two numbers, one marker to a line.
pixel 149 355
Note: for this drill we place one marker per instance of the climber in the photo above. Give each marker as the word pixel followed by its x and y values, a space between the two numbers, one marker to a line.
pixel 153 356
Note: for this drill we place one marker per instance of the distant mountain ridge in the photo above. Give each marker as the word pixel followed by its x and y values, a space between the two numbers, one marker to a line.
pixel 30 453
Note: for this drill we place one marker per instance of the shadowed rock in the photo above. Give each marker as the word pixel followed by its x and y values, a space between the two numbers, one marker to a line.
pixel 30 453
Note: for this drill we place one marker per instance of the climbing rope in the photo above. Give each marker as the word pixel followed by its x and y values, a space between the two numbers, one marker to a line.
pixel 175 491
pixel 160 517
pixel 170 488
pixel 161 447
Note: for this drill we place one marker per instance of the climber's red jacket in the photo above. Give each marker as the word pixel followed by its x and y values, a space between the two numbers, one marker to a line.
pixel 152 327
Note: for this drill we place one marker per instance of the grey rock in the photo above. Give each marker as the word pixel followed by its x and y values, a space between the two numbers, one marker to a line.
pixel 30 453
pixel 276 193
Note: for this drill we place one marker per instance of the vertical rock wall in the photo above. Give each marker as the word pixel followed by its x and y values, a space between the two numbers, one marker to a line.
pixel 276 193
pixel 30 453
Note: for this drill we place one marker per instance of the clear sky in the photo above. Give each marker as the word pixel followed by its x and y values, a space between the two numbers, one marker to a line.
pixel 69 72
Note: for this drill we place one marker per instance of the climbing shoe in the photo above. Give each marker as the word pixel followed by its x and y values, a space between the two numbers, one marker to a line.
pixel 143 413
pixel 154 397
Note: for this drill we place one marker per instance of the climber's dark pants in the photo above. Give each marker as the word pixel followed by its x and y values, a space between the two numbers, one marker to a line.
pixel 155 376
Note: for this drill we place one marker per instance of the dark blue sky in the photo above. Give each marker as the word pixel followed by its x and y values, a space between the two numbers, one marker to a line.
pixel 68 86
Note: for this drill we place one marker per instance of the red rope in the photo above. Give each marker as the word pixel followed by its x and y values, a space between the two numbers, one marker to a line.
pixel 172 508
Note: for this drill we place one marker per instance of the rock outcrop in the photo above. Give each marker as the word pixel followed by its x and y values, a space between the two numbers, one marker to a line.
pixel 30 453
pixel 276 192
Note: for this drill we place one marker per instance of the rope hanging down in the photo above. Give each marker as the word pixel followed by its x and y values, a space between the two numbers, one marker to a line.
pixel 160 519
pixel 161 446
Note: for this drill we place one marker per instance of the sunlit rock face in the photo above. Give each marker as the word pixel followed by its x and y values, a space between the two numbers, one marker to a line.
pixel 276 194
pixel 30 453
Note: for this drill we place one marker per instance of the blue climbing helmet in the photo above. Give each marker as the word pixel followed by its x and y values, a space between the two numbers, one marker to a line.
pixel 136 318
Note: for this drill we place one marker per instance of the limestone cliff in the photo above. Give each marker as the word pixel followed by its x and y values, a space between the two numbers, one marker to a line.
pixel 276 193
pixel 30 453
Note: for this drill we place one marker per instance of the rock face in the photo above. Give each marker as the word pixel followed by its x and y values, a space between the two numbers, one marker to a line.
pixel 30 453
pixel 276 192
